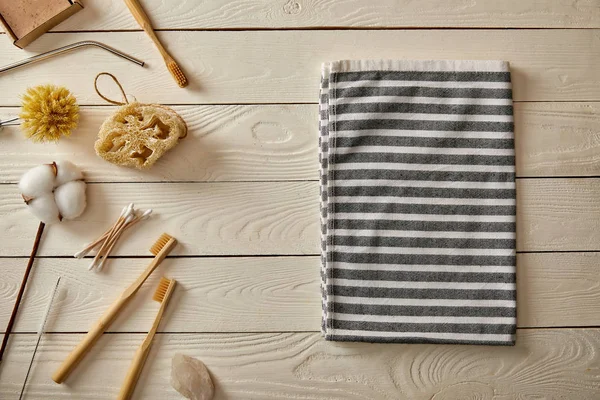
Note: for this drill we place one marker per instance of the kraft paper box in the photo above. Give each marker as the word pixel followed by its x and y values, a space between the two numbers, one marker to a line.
pixel 26 20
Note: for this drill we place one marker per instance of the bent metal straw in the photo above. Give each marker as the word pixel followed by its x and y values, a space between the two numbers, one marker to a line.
pixel 66 49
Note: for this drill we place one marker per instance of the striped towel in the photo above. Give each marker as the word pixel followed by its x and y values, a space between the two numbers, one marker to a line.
pixel 418 202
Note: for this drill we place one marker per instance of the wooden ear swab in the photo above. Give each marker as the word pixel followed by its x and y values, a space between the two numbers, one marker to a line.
pixel 89 247
pixel 109 238
pixel 116 228
pixel 129 222
pixel 110 243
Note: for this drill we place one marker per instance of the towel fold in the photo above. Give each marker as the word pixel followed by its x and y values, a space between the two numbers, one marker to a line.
pixel 418 202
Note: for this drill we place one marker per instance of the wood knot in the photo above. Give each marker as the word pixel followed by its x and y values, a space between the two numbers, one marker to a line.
pixel 270 132
pixel 292 7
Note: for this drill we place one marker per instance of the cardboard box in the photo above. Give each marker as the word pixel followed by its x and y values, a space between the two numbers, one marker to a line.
pixel 26 20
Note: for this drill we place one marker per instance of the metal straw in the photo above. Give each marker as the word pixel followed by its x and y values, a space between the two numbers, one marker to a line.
pixel 66 49
pixel 9 122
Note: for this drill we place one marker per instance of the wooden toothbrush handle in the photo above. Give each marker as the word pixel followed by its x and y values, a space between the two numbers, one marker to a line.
pixel 88 341
pixel 142 18
pixel 142 352
pixel 135 369
pixel 108 317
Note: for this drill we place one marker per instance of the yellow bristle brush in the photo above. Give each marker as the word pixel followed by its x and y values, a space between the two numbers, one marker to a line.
pixel 161 248
pixel 163 293
pixel 142 18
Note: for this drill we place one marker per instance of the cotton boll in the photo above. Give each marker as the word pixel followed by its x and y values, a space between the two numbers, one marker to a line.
pixel 70 199
pixel 66 172
pixel 44 208
pixel 37 181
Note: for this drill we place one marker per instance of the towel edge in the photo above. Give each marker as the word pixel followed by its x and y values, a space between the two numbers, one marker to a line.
pixel 416 65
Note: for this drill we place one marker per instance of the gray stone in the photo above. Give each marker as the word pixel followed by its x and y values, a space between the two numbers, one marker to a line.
pixel 191 378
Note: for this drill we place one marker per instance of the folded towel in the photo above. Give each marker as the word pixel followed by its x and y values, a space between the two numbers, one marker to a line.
pixel 418 202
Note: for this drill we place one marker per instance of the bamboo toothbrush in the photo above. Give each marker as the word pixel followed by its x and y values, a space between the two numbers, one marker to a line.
pixel 160 249
pixel 163 293
pixel 142 18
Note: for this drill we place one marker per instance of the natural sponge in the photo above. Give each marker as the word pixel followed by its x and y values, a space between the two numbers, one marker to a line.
pixel 137 135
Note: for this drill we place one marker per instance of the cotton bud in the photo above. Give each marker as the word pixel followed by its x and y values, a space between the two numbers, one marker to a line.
pixel 37 181
pixel 70 199
pixel 45 209
pixel 66 171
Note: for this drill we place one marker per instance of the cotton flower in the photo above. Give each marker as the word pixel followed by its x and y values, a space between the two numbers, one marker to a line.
pixel 48 112
pixel 54 192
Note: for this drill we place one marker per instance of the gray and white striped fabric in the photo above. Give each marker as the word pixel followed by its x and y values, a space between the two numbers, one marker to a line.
pixel 418 202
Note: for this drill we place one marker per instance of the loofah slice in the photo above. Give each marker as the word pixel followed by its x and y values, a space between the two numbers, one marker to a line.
pixel 137 135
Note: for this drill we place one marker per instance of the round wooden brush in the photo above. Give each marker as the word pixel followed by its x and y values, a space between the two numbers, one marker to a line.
pixel 142 18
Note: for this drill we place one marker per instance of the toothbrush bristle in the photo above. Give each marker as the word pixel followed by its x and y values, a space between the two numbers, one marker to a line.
pixel 177 73
pixel 160 243
pixel 161 290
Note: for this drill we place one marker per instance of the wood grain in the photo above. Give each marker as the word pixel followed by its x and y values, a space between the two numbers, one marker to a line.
pixel 557 139
pixel 261 14
pixel 558 289
pixel 558 214
pixel 279 142
pixel 212 218
pixel 261 67
pixel 224 143
pixel 252 313
pixel 281 218
pixel 261 294
pixel 549 363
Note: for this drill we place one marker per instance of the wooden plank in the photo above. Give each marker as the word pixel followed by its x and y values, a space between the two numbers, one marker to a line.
pixel 558 214
pixel 279 142
pixel 558 289
pixel 261 294
pixel 224 143
pixel 261 14
pixel 14 366
pixel 217 219
pixel 282 218
pixel 557 139
pixel 260 67
pixel 544 363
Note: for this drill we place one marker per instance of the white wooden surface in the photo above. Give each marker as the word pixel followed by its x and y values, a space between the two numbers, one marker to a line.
pixel 241 195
